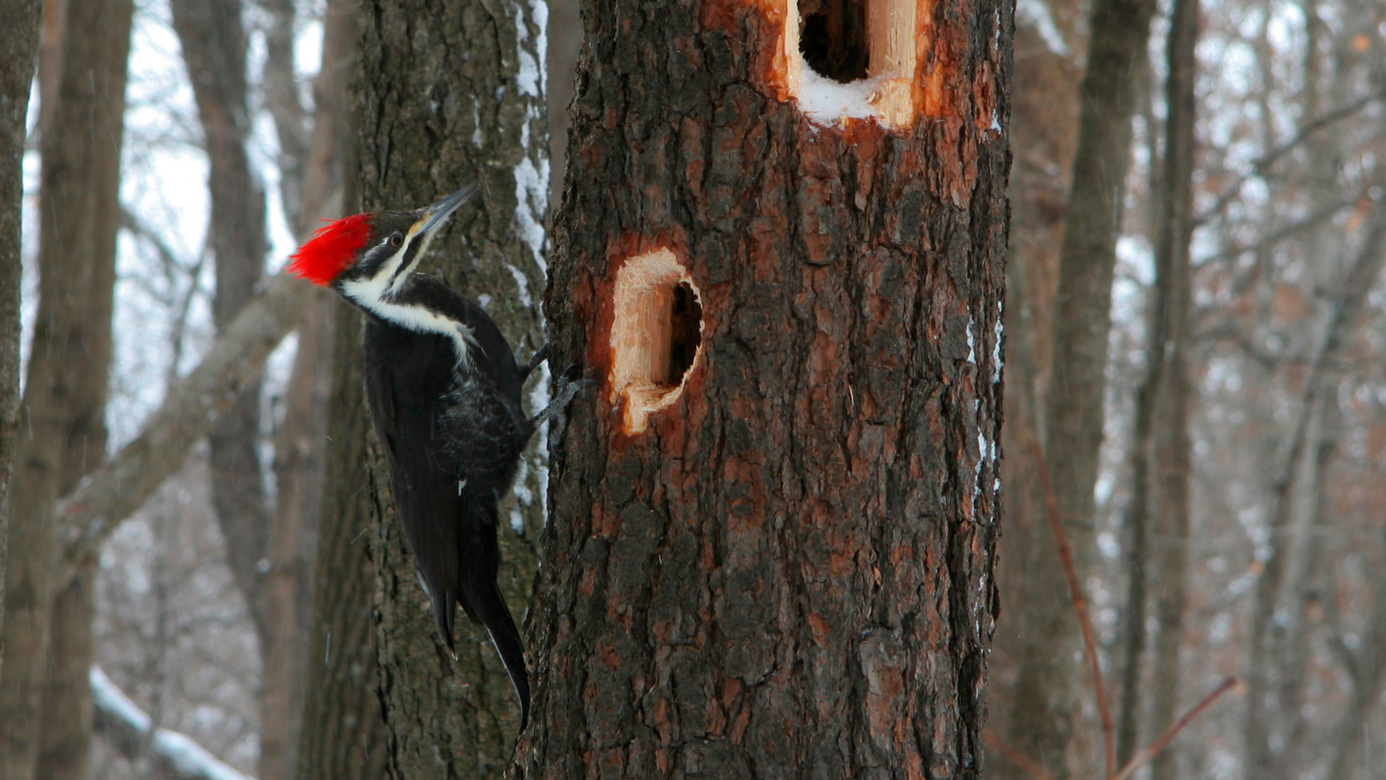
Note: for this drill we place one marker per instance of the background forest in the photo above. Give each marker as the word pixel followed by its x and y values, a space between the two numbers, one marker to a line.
pixel 1207 404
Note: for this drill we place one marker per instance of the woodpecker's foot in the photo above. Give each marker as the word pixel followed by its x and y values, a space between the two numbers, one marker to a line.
pixel 538 357
pixel 567 390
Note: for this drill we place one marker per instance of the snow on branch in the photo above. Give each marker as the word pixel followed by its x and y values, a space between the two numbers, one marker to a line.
pixel 127 727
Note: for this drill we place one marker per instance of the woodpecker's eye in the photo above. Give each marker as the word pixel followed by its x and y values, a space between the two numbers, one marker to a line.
pixel 396 240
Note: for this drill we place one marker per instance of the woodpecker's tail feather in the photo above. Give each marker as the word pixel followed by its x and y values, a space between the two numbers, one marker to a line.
pixel 488 606
pixel 443 615
pixel 479 562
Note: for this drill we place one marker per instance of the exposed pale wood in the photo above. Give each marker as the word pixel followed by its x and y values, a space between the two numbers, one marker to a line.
pixel 642 333
pixel 898 31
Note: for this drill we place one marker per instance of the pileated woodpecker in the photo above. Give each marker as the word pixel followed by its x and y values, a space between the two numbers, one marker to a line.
pixel 444 392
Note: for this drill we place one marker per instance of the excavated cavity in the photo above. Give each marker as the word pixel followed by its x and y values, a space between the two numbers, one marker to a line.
pixel 656 335
pixel 832 38
pixel 853 59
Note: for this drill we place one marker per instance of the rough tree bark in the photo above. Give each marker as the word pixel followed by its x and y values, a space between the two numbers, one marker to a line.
pixel 17 53
pixel 1046 697
pixel 785 569
pixel 451 95
pixel 45 715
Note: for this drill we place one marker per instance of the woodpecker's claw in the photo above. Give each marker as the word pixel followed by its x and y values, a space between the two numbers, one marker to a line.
pixel 538 357
pixel 567 391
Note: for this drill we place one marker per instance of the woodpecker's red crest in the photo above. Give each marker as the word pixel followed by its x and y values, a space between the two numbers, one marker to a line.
pixel 331 250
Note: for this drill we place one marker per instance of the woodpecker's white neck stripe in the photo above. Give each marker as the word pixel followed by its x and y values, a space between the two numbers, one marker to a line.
pixel 373 296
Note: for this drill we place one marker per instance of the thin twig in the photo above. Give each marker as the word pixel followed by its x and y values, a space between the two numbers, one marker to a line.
pixel 1143 757
pixel 995 741
pixel 1260 164
pixel 1080 606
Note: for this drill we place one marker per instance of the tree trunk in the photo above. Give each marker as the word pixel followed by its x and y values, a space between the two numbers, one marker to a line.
pixel 17 52
pixel 771 541
pixel 214 42
pixel 311 173
pixel 65 393
pixel 1044 126
pixel 65 751
pixel 451 95
pixel 1279 644
pixel 1049 683
pixel 1367 672
pixel 1172 447
pixel 342 735
pixel 299 465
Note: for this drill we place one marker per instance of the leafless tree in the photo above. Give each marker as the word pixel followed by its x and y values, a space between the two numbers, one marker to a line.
pixel 18 52
pixel 45 711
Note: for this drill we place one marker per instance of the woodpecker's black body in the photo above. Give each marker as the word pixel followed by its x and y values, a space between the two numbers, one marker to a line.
pixel 454 439
pixel 444 391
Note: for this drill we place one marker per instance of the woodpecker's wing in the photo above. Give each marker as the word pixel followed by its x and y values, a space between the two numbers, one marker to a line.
pixel 453 438
pixel 425 496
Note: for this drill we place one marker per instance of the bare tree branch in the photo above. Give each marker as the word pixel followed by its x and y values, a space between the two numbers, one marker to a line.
pixel 1143 757
pixel 92 512
pixel 130 730
pixel 1265 161
pixel 1080 606
pixel 1021 760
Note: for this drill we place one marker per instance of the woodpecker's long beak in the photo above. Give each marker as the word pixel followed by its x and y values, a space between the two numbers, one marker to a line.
pixel 435 216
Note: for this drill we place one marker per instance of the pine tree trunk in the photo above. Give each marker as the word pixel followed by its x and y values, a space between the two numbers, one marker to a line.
pixel 773 520
pixel 65 392
pixel 17 52
pixel 453 94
